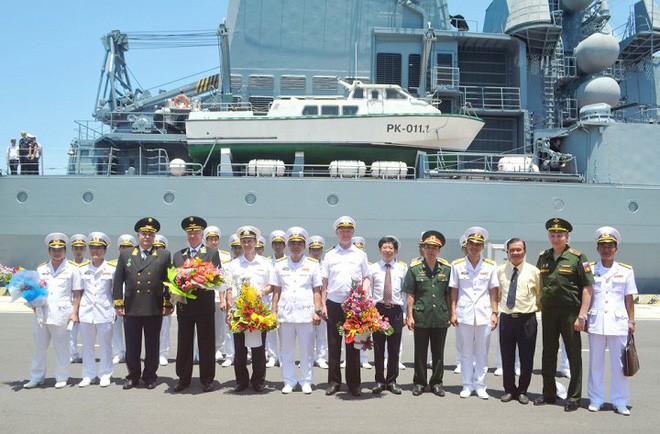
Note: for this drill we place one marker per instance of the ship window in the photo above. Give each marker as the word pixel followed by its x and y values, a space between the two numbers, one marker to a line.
pixel 388 68
pixel 349 110
pixel 310 110
pixel 394 94
pixel 374 94
pixel 330 110
pixel 414 63
pixel 358 93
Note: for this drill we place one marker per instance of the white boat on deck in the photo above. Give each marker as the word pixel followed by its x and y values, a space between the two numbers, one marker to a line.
pixel 371 114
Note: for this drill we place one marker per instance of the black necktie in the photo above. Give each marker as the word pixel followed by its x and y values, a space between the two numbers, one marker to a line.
pixel 511 298
pixel 145 253
pixel 193 253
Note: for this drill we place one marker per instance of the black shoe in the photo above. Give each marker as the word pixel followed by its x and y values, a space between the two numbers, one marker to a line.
pixel 378 389
pixel 572 406
pixel 523 399
pixel 240 388
pixel 180 386
pixel 394 388
pixel 542 400
pixel 151 386
pixel 208 387
pixel 437 390
pixel 418 390
pixel 507 397
pixel 258 388
pixel 355 391
pixel 128 384
pixel 332 389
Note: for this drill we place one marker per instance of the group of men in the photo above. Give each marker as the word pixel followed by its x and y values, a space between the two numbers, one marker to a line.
pixel 473 294
pixel 24 155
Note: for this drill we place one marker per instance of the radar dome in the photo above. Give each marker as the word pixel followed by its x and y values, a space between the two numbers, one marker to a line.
pixel 575 5
pixel 599 90
pixel 177 167
pixel 596 53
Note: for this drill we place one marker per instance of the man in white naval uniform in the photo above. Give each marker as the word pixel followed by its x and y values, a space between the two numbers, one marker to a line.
pixel 125 241
pixel 60 310
pixel 278 245
pixel 296 297
pixel 78 244
pixel 611 318
pixel 315 247
pixel 97 312
pixel 474 310
pixel 161 242
pixel 212 236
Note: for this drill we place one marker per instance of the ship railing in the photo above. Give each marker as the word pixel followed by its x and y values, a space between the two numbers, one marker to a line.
pixel 492 98
pixel 342 170
pixel 641 115
pixel 93 161
pixel 447 77
pixel 90 130
pixel 492 166
pixel 236 106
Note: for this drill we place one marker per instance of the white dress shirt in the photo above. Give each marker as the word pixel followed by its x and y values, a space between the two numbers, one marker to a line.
pixel 341 267
pixel 61 284
pixel 397 273
pixel 607 313
pixel 258 272
pixel 474 283
pixel 297 281
pixel 96 303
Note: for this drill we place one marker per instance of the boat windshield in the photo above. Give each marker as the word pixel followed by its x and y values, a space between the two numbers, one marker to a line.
pixel 395 94
pixel 358 93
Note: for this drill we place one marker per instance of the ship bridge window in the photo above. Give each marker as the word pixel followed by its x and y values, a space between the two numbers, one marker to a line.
pixel 330 110
pixel 358 93
pixel 310 110
pixel 349 110
pixel 375 94
pixel 394 94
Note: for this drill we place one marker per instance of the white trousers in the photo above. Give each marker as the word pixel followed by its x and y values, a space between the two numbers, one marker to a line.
pixel 304 332
pixel 229 344
pixel 458 351
pixel 474 341
pixel 165 336
pixel 90 333
pixel 619 383
pixel 220 326
pixel 118 344
pixel 321 338
pixel 271 345
pixel 43 334
pixel 73 341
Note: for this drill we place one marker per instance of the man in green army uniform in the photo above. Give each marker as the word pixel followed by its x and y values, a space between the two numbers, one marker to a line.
pixel 566 288
pixel 426 284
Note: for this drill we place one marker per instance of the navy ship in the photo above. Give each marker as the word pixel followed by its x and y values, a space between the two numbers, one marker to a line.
pixel 395 112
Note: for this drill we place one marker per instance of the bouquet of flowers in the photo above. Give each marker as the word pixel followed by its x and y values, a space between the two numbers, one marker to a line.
pixel 6 273
pixel 27 285
pixel 251 314
pixel 192 276
pixel 362 318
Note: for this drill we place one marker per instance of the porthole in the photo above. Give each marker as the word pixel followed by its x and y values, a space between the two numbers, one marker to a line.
pixel 168 197
pixel 332 199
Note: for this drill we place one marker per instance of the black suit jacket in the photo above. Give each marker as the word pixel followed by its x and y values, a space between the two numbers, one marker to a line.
pixel 204 304
pixel 143 293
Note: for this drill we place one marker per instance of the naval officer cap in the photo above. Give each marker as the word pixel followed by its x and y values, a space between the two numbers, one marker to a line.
pixel 212 231
pixel 78 240
pixel 316 242
pixel 126 240
pixel 147 224
pixel 193 223
pixel 248 232
pixel 160 241
pixel 344 222
pixel 261 242
pixel 433 238
pixel 607 234
pixel 98 239
pixel 56 240
pixel 556 224
pixel 359 242
pixel 476 234
pixel 296 233
pixel 277 236
pixel 463 240
pixel 234 240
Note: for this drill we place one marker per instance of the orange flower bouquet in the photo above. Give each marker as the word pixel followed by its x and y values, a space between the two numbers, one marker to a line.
pixel 194 275
pixel 362 319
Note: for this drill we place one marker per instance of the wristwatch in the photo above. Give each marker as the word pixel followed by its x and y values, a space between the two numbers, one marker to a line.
pixel 319 311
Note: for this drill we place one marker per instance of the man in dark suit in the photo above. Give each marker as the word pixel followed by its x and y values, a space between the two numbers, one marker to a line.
pixel 198 312
pixel 141 298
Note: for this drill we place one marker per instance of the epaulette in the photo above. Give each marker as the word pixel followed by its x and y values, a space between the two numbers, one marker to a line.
pixel 280 259
pixel 443 261
pixel 269 257
pixel 543 252
pixel 415 262
pixel 625 265
pixel 112 262
pixel 458 261
pixel 331 248
pixel 402 263
pixel 77 264
pixel 225 252
pixel 489 261
pixel 226 261
pixel 43 263
pixel 312 259
pixel 592 263
pixel 575 252
pixel 417 259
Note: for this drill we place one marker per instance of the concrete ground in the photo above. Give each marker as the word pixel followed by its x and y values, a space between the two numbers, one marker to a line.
pixel 112 409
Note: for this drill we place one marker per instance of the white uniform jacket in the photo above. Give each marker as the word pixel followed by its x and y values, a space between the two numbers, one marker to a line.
pixel 607 313
pixel 297 280
pixel 473 303
pixel 96 304
pixel 61 284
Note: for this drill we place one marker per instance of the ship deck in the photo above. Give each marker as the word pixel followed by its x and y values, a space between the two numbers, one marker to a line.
pixel 106 410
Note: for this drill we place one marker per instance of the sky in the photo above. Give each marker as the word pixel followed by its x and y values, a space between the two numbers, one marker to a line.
pixel 51 58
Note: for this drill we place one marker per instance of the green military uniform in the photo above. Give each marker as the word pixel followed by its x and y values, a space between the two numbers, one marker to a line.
pixel 430 288
pixel 562 282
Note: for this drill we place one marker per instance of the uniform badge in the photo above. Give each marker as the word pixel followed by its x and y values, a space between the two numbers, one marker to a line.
pixel 128 263
pixel 586 267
